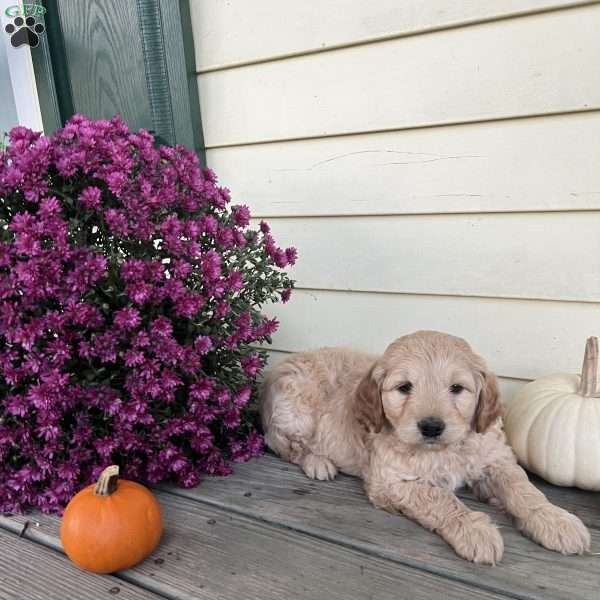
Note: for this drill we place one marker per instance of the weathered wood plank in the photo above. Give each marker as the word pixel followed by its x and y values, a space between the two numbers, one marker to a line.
pixel 211 553
pixel 29 571
pixel 272 472
pixel 269 489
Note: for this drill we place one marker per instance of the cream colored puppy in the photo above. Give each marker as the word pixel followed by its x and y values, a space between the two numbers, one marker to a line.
pixel 415 424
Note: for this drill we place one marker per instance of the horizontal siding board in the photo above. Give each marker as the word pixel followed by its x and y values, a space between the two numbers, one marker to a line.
pixel 519 339
pixel 508 387
pixel 225 33
pixel 546 163
pixel 553 256
pixel 535 65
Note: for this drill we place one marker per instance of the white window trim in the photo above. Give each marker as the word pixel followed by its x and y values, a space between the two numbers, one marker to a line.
pixel 22 76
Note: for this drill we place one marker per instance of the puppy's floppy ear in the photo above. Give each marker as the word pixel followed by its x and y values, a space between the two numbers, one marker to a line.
pixel 368 408
pixel 489 406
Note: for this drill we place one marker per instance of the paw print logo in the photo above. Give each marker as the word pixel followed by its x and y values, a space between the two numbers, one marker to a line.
pixel 24 31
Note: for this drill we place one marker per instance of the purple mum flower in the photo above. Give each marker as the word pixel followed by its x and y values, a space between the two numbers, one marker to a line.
pixel 129 296
pixel 91 197
pixel 203 344
pixel 211 266
pixel 241 215
pixel 127 318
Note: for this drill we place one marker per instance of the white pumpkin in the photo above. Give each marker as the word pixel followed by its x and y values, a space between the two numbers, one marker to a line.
pixel 553 425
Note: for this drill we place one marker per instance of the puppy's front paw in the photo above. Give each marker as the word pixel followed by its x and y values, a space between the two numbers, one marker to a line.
pixel 556 529
pixel 318 467
pixel 478 540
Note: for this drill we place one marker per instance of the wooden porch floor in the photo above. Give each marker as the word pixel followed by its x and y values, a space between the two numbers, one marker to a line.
pixel 269 533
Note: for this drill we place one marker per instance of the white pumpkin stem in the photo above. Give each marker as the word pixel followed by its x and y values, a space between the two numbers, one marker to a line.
pixel 589 371
pixel 108 481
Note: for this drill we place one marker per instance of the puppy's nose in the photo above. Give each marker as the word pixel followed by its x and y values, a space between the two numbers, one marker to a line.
pixel 431 427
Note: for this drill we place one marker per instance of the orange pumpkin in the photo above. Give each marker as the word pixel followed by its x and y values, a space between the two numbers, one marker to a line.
pixel 111 525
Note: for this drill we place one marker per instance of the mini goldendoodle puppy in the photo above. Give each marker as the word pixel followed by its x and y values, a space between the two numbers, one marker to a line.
pixel 415 424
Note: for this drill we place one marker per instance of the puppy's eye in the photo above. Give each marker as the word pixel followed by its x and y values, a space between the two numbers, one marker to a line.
pixel 405 388
pixel 456 388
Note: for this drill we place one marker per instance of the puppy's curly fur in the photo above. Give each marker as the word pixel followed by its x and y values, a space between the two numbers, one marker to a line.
pixel 336 409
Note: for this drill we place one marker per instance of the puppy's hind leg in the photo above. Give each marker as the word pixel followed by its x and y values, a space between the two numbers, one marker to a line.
pixel 291 447
pixel 294 451
pixel 289 421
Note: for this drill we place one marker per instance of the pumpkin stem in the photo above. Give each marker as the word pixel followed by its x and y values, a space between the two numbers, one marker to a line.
pixel 589 371
pixel 108 481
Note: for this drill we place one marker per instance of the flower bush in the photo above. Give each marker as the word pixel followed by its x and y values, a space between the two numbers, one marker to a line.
pixel 130 298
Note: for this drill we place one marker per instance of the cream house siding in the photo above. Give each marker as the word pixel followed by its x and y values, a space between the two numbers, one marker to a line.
pixel 435 162
pixel 533 164
pixel 233 32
